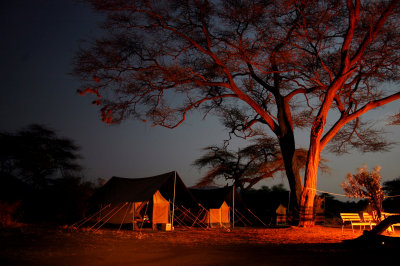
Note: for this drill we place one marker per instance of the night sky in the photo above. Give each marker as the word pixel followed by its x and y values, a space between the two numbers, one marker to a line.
pixel 39 39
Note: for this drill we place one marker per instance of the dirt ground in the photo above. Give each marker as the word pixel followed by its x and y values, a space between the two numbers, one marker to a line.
pixel 319 245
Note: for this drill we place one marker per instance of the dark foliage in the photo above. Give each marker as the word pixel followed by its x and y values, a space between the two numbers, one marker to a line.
pixel 62 202
pixel 36 155
pixel 264 202
pixel 40 176
pixel 392 190
pixel 248 165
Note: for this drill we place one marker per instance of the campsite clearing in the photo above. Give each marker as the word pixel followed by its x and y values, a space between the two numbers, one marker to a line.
pixel 31 245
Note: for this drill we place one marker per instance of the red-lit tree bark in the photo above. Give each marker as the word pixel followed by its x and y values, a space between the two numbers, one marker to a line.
pixel 291 63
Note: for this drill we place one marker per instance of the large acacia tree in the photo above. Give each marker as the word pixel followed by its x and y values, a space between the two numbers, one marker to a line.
pixel 273 64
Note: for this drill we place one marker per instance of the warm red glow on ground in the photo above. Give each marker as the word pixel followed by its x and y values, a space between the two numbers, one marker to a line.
pixel 242 246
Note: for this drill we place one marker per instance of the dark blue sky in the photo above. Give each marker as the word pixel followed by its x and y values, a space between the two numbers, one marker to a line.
pixel 39 39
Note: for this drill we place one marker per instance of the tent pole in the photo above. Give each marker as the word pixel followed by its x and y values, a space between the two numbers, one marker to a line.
pixel 173 204
pixel 233 212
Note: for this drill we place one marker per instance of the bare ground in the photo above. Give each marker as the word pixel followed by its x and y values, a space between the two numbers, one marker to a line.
pixel 319 245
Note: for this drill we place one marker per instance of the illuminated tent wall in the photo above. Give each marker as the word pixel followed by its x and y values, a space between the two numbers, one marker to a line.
pixel 281 215
pixel 129 199
pixel 218 203
pixel 219 216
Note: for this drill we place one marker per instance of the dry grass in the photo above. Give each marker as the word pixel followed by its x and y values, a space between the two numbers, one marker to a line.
pixel 241 246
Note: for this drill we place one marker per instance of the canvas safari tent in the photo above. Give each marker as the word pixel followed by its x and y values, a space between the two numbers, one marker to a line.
pixel 141 201
pixel 221 206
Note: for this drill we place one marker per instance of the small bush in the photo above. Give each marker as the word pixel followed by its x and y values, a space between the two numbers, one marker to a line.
pixel 9 214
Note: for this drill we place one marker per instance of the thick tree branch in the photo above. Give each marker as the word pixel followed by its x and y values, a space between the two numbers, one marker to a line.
pixel 371 35
pixel 347 118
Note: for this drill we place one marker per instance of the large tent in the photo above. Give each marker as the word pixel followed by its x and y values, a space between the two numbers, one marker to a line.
pixel 140 200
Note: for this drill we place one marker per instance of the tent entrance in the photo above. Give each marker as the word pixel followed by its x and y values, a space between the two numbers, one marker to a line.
pixel 161 211
pixel 155 213
pixel 140 216
pixel 219 217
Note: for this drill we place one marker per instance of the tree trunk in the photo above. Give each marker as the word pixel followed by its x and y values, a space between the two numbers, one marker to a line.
pixel 288 150
pixel 307 199
pixel 287 146
pixel 310 180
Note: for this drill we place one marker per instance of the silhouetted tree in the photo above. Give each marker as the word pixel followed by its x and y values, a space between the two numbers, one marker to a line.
pixel 37 155
pixel 57 192
pixel 275 64
pixel 392 190
pixel 249 165
pixel 367 185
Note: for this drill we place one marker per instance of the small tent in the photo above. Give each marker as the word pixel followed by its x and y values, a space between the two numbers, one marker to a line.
pixel 141 200
pixel 281 215
pixel 264 202
pixel 218 205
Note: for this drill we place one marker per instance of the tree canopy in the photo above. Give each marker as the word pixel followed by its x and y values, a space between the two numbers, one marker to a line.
pixel 367 185
pixel 207 51
pixel 392 187
pixel 392 190
pixel 36 154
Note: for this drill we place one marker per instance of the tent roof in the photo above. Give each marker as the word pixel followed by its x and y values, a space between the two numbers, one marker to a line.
pixel 119 189
pixel 213 198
